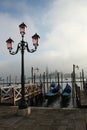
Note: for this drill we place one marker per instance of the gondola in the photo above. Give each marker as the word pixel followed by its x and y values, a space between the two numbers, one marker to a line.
pixel 53 93
pixel 66 92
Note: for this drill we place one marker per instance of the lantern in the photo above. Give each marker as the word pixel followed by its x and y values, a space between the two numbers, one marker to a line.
pixel 9 43
pixel 22 28
pixel 35 38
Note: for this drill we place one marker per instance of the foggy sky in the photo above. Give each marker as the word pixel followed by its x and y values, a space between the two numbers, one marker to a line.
pixel 62 26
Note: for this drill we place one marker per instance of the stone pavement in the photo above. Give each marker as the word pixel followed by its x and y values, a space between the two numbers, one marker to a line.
pixel 43 119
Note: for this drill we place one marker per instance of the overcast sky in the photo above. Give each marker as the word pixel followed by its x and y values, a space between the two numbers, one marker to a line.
pixel 62 26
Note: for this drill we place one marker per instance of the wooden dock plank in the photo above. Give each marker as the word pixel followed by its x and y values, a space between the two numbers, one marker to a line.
pixel 83 99
pixel 43 119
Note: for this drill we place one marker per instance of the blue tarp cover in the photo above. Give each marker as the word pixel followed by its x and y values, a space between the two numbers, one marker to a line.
pixel 52 84
pixel 65 94
pixel 50 94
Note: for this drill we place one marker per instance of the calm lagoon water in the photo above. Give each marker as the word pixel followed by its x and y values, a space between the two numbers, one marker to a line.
pixel 57 103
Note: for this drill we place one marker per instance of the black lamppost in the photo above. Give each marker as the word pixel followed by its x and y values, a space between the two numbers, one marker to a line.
pixel 23 45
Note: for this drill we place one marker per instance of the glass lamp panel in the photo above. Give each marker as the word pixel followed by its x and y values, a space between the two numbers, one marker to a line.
pixel 35 41
pixel 9 45
pixel 22 29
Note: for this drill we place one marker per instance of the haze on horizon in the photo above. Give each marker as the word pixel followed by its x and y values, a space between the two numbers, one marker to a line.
pixel 62 26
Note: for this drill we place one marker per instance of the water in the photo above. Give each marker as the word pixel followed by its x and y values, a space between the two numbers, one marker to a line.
pixel 57 103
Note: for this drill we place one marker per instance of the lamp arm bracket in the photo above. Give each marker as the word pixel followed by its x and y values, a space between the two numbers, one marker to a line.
pixel 30 50
pixel 13 53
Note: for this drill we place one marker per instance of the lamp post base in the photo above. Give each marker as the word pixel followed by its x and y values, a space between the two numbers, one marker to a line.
pixel 24 112
pixel 23 104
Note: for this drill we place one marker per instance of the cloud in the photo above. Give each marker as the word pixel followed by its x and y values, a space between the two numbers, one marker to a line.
pixel 67 37
pixel 62 26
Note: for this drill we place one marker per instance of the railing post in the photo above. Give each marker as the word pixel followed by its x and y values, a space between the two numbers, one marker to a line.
pixel 13 90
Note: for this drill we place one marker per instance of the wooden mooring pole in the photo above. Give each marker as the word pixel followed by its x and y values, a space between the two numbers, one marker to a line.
pixel 15 79
pixel 40 78
pixel 62 80
pixel 83 77
pixel 34 78
pixel 50 79
pixel 73 83
pixel 44 82
pixel 81 80
pixel 9 80
pixel 3 82
pixel 47 80
pixel 32 75
pixel 58 78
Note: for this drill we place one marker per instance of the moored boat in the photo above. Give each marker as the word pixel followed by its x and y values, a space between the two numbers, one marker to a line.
pixel 53 84
pixel 53 93
pixel 66 92
pixel 50 95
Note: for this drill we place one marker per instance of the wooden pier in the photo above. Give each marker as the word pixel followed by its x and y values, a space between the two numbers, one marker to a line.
pixel 81 97
pixel 43 119
pixel 11 95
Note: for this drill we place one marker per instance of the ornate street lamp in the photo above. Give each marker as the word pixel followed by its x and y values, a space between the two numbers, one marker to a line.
pixel 23 46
